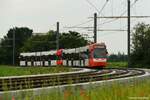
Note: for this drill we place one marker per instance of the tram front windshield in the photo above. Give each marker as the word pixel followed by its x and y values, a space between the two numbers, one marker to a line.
pixel 99 53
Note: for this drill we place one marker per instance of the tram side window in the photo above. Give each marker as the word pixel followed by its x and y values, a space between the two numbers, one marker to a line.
pixel 47 58
pixel 84 55
pixel 22 58
pixel 44 58
pixel 27 58
pixel 32 58
pixel 53 57
pixel 64 56
pixel 68 56
pixel 76 56
pixel 38 58
pixel 35 58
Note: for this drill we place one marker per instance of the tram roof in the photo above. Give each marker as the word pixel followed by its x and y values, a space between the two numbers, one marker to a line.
pixel 43 53
pixel 66 51
pixel 75 50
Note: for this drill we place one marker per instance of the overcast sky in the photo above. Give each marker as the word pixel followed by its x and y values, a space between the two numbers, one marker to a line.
pixel 42 15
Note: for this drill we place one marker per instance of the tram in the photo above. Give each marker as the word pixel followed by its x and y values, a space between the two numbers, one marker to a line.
pixel 93 55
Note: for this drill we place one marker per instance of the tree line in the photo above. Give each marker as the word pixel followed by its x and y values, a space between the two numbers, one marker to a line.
pixel 140 52
pixel 27 42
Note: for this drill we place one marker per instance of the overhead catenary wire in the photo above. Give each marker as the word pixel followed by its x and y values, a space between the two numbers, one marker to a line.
pixel 99 12
pixel 83 23
pixel 122 17
pixel 106 22
pixel 93 5
pixel 109 30
pixel 80 24
pixel 118 18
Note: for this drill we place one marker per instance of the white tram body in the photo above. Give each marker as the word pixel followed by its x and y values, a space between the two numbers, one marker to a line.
pixel 94 55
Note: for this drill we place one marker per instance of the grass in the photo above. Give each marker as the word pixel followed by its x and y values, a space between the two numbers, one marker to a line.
pixel 17 71
pixel 137 90
pixel 117 64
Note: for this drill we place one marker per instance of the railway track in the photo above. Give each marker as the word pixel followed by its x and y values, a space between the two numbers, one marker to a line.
pixel 19 83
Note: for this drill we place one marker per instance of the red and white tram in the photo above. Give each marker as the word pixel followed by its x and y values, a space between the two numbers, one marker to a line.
pixel 94 55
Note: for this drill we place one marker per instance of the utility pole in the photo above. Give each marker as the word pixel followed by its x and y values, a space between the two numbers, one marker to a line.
pixel 57 36
pixel 128 33
pixel 13 46
pixel 95 27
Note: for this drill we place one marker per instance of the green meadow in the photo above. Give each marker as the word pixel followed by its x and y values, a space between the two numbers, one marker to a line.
pixel 117 64
pixel 17 71
pixel 137 90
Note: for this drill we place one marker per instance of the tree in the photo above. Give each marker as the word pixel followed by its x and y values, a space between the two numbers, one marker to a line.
pixel 140 45
pixel 21 35
pixel 72 40
pixel 40 43
pixel 48 42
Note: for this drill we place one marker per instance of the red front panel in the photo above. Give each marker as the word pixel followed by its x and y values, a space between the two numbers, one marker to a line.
pixel 98 63
pixel 59 62
pixel 59 57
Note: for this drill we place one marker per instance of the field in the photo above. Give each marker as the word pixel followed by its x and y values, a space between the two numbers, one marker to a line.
pixel 17 71
pixel 117 64
pixel 137 90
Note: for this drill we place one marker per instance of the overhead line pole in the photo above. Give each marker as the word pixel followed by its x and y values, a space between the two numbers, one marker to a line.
pixel 13 46
pixel 129 33
pixel 57 36
pixel 95 27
